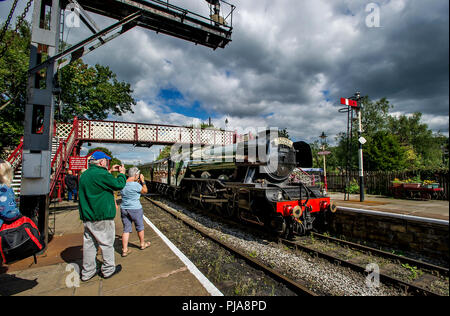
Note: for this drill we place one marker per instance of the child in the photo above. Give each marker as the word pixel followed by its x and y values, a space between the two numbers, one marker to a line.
pixel 8 208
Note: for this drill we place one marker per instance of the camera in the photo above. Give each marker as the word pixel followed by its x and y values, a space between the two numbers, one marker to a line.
pixel 115 168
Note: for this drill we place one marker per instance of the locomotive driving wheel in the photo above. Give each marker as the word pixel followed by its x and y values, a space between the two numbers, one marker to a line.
pixel 176 194
pixel 207 189
pixel 228 209
pixel 190 196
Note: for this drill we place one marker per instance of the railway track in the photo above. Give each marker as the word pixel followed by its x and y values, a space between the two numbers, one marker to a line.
pixel 407 287
pixel 294 286
pixel 431 268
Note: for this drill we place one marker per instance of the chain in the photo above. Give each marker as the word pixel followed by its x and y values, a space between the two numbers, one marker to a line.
pixel 24 14
pixel 8 20
pixel 19 23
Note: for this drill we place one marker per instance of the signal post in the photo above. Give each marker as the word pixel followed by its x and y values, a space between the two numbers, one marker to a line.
pixel 354 103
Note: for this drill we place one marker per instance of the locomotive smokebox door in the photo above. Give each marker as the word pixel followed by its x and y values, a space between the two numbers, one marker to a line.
pixel 303 155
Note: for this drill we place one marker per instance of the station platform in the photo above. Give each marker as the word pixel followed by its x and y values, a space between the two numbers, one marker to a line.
pixel 433 209
pixel 155 271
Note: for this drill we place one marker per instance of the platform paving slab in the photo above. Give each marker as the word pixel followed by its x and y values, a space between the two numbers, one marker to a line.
pixel 155 271
pixel 430 209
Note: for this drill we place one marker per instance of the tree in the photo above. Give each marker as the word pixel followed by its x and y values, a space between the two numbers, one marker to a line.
pixel 13 84
pixel 342 151
pixel 315 148
pixel 165 153
pixel 375 116
pixel 393 143
pixel 424 148
pixel 383 151
pixel 91 92
pixel 283 133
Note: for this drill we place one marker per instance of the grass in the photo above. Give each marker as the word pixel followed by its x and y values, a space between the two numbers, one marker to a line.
pixel 414 272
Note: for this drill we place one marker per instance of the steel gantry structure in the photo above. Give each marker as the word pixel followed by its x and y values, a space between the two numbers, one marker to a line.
pixel 45 60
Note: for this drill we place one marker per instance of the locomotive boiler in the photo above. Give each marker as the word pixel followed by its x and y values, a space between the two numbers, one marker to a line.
pixel 248 180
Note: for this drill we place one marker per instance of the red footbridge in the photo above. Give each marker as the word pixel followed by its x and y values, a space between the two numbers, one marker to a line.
pixel 68 138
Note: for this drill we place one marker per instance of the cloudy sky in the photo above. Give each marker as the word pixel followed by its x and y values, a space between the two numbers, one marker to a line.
pixel 288 64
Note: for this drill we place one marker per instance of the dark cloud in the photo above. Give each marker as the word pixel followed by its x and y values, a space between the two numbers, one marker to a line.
pixel 405 60
pixel 284 54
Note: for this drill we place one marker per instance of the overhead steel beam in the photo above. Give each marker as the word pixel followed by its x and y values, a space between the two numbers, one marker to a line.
pixel 79 50
pixel 162 17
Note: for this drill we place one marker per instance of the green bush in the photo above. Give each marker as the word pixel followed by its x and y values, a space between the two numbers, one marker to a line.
pixel 353 188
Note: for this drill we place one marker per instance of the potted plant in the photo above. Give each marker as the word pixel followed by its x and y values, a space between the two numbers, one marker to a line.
pixel 428 184
pixel 414 183
pixel 396 183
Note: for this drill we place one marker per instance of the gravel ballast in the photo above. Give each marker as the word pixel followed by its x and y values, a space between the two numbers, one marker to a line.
pixel 319 275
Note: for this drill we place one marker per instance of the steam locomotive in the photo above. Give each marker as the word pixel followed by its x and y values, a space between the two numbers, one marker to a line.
pixel 248 180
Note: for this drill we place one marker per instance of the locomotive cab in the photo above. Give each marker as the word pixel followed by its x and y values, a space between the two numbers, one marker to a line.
pixel 303 155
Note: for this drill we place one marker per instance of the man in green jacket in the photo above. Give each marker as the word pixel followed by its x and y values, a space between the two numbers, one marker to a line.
pixel 97 211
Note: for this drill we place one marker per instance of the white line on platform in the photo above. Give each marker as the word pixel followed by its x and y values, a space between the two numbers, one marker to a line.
pixel 194 270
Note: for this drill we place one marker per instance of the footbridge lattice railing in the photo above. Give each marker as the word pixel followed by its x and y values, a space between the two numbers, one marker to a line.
pixel 137 133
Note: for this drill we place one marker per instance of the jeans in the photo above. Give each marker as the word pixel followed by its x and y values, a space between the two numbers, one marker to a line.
pixel 130 216
pixel 69 195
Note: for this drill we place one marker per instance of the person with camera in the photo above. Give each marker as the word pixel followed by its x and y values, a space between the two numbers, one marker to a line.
pixel 97 209
pixel 131 209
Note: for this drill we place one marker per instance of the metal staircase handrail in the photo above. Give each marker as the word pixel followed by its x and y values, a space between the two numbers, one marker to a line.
pixel 15 159
pixel 63 154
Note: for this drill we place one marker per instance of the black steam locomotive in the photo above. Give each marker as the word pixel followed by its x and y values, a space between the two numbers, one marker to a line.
pixel 247 180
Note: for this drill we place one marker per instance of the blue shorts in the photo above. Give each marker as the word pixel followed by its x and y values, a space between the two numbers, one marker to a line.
pixel 132 216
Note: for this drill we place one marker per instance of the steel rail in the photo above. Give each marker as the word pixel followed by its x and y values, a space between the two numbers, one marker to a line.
pixel 420 264
pixel 292 285
pixel 384 278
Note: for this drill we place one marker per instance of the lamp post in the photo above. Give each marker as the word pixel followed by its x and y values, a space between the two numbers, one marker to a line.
pixel 323 138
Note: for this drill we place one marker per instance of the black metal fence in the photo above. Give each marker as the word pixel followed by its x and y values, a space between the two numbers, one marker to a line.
pixel 380 182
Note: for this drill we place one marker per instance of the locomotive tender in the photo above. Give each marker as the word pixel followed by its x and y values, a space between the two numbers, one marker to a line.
pixel 247 180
